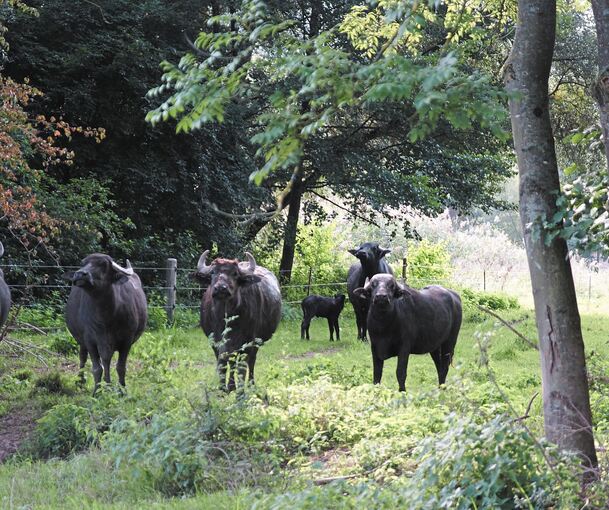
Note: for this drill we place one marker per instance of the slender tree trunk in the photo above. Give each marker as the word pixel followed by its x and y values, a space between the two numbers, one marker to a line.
pixel 291 229
pixel 566 402
pixel 601 87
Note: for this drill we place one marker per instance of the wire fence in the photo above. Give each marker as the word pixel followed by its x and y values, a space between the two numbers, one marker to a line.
pixel 170 287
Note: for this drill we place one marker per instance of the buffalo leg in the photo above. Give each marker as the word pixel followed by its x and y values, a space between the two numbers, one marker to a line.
pixel 96 368
pixel 377 368
pixel 358 321
pixel 331 328
pixel 83 360
pixel 121 365
pixel 251 362
pixel 364 323
pixel 106 360
pixel 304 328
pixel 401 369
pixel 336 328
pixel 438 361
pixel 221 367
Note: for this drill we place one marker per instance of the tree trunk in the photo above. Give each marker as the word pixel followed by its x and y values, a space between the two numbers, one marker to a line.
pixel 566 402
pixel 291 229
pixel 601 87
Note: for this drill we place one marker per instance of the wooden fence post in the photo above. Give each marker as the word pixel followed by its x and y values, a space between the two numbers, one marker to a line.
pixel 484 280
pixel 170 284
pixel 309 283
pixel 404 269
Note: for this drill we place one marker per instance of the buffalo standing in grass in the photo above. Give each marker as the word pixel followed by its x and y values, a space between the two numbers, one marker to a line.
pixel 321 306
pixel 240 308
pixel 106 312
pixel 5 294
pixel 404 321
pixel 371 262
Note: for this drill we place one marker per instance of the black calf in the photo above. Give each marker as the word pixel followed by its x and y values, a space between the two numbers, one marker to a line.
pixel 320 306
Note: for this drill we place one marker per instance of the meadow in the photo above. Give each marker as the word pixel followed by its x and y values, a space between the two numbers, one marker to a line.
pixel 312 433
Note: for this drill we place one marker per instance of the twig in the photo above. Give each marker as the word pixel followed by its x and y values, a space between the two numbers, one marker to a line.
pixel 528 409
pixel 100 10
pixel 510 327
pixel 29 326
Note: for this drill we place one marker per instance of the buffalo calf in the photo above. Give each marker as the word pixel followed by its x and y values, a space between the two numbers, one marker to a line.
pixel 404 321
pixel 106 312
pixel 320 306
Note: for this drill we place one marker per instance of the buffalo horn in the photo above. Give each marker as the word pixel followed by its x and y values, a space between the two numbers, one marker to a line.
pixel 1 249
pixel 202 265
pixel 251 260
pixel 128 270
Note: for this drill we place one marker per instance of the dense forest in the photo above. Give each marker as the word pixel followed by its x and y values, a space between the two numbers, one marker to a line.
pixel 302 138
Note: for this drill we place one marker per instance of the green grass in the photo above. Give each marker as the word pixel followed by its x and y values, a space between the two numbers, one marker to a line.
pixel 313 415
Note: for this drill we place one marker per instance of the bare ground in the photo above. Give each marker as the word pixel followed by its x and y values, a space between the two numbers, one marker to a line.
pixel 15 427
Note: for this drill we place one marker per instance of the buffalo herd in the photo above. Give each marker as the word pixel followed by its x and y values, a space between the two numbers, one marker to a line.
pixel 241 308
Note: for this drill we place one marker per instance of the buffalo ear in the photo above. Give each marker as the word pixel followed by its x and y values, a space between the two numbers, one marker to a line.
pixel 384 252
pixel 353 252
pixel 120 278
pixel 69 276
pixel 203 278
pixel 362 292
pixel 248 279
pixel 400 292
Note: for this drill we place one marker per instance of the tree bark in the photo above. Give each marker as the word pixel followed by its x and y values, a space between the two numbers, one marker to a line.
pixel 566 401
pixel 291 229
pixel 600 8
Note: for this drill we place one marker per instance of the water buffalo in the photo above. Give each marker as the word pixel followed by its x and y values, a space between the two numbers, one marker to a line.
pixel 404 321
pixel 320 306
pixel 5 294
pixel 240 308
pixel 371 262
pixel 106 312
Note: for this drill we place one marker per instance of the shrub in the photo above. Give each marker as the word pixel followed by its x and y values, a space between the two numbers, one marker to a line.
pixel 69 428
pixel 63 343
pixel 53 382
pixel 471 299
pixel 496 464
pixel 428 263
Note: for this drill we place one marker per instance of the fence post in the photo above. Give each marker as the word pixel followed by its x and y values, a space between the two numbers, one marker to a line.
pixel 404 269
pixel 484 280
pixel 170 284
pixel 309 282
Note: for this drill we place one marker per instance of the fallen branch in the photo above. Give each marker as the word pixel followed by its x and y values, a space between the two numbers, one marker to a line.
pixel 510 327
pixel 26 325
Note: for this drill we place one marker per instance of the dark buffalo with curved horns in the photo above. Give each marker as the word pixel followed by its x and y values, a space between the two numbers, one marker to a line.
pixel 5 294
pixel 240 308
pixel 404 321
pixel 106 312
pixel 371 262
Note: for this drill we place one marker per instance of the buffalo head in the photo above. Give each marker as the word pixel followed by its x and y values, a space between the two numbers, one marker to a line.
pixel 97 272
pixel 369 253
pixel 225 276
pixel 381 290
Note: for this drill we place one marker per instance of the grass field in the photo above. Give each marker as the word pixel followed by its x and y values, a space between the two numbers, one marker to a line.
pixel 314 433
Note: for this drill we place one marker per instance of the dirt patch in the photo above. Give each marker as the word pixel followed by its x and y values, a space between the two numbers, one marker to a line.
pixel 313 354
pixel 15 427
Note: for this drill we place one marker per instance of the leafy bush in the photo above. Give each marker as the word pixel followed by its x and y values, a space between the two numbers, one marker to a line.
pixel 69 428
pixel 53 382
pixel 428 263
pixel 60 432
pixel 496 464
pixel 471 299
pixel 43 316
pixel 63 343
